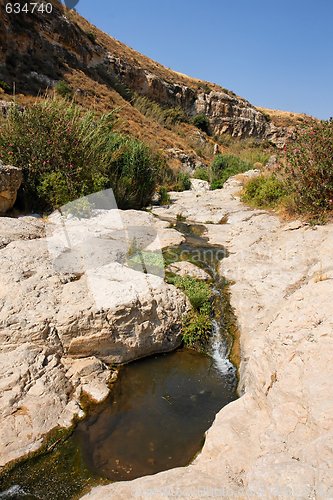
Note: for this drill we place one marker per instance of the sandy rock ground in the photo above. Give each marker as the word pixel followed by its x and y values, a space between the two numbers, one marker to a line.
pixel 276 440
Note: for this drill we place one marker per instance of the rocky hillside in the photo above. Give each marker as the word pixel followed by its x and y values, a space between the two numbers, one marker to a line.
pixel 38 50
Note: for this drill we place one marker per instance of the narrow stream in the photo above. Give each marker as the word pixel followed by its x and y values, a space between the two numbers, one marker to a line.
pixel 156 416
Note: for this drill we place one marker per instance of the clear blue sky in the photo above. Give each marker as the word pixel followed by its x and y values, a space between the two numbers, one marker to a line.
pixel 277 54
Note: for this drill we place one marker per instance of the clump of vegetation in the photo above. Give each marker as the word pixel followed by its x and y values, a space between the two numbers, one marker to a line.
pixel 4 86
pixel 180 217
pixel 164 197
pixel 201 173
pixel 143 260
pixel 309 167
pixel 204 87
pixel 201 121
pixel 249 150
pixel 66 153
pixel 196 330
pixel 63 89
pixel 197 291
pixel 197 325
pixel 224 166
pixel 264 191
pixel 183 182
pixel 167 117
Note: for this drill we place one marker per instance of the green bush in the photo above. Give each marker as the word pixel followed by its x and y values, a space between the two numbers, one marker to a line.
pixel 183 182
pixel 201 173
pixel 66 153
pixel 265 191
pixel 164 197
pixel 225 166
pixel 4 85
pixel 197 325
pixel 201 121
pixel 196 330
pixel 309 167
pixel 197 291
pixel 63 89
pixel 132 170
pixel 251 151
pixel 91 35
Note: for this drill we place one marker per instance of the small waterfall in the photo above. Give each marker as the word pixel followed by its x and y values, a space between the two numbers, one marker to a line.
pixel 13 492
pixel 219 351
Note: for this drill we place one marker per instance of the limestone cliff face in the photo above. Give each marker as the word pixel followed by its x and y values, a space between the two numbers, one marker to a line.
pixel 37 50
pixel 227 112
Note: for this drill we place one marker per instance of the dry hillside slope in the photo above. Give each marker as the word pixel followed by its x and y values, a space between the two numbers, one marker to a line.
pixel 38 50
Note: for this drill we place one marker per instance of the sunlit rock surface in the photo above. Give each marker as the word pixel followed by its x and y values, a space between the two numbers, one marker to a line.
pixel 89 293
pixel 276 441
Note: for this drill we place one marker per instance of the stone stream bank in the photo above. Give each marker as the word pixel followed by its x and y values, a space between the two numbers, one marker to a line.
pixel 274 441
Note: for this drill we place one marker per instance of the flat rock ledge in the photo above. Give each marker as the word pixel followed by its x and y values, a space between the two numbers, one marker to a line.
pixel 73 300
pixel 184 268
pixel 276 440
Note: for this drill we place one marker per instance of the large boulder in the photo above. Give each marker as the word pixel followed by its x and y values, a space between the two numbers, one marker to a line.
pixel 71 304
pixel 276 440
pixel 10 181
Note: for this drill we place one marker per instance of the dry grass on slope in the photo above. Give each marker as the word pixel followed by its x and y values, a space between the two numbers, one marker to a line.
pixel 100 97
pixel 136 59
pixel 285 118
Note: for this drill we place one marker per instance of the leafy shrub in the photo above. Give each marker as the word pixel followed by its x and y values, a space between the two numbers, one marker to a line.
pixel 149 262
pixel 119 86
pixel 63 89
pixel 197 325
pixel 4 85
pixel 309 167
pixel 132 170
pixel 204 87
pixel 183 182
pixel 164 197
pixel 196 330
pixel 201 121
pixel 66 153
pixel 249 150
pixel 91 36
pixel 201 173
pixel 224 166
pixel 264 191
pixel 197 291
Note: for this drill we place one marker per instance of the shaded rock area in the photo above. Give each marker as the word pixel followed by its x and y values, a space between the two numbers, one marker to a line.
pixel 62 325
pixel 276 440
pixel 10 181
